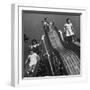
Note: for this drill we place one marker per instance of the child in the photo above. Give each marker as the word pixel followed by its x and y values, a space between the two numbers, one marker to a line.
pixel 31 61
pixel 68 27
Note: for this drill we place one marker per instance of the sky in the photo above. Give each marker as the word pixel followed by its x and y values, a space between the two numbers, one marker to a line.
pixel 32 26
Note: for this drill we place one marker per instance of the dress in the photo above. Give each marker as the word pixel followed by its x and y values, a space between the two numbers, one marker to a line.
pixel 68 29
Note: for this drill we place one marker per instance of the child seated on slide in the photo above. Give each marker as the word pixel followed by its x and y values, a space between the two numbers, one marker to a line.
pixel 31 61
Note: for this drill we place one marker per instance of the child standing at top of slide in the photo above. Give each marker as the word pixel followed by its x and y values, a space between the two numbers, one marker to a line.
pixel 68 29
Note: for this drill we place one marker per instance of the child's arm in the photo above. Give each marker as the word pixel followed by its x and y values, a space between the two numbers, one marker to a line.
pixel 73 30
pixel 27 60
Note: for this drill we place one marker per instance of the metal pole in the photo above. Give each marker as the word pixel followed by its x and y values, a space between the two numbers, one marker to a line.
pixel 47 55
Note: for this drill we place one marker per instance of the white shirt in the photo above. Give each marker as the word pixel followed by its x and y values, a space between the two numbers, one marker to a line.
pixel 68 29
pixel 34 46
pixel 33 59
pixel 45 23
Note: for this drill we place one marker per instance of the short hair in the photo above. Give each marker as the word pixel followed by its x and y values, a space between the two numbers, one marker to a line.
pixel 45 18
pixel 34 40
pixel 67 19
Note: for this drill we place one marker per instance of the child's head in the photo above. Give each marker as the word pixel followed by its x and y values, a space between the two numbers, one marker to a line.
pixel 68 20
pixel 45 19
pixel 34 41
